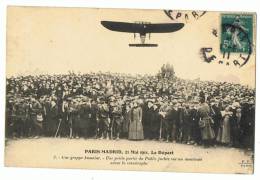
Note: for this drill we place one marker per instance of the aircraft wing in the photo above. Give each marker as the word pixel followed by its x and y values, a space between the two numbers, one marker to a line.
pixel 163 28
pixel 142 28
pixel 121 26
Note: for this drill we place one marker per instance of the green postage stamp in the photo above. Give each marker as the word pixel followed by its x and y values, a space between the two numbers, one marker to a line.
pixel 236 33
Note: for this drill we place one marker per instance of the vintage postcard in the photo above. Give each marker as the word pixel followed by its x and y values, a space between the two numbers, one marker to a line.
pixel 130 89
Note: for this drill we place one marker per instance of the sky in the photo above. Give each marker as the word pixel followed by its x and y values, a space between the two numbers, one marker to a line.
pixel 57 40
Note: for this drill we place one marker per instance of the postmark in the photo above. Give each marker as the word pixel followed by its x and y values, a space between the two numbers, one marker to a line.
pixel 184 17
pixel 235 41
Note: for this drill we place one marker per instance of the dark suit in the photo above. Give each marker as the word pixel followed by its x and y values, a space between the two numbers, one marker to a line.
pixel 174 122
pixel 148 115
pixel 154 124
pixel 103 116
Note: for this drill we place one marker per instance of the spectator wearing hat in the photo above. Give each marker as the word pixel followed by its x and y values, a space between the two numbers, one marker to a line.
pixel 104 119
pixel 65 127
pixel 19 120
pixel 175 122
pixel 126 120
pixel 247 124
pixel 116 120
pixel 92 126
pixel 36 117
pixel 85 116
pixel 155 122
pixel 186 124
pixel 165 113
pixel 207 132
pixel 235 124
pixel 215 112
pixel 52 118
pixel 195 129
pixel 135 126
pixel 224 133
pixel 148 116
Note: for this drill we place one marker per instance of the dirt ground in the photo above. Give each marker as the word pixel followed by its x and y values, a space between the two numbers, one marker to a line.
pixel 126 155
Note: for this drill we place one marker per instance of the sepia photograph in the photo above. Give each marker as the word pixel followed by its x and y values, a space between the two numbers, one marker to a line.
pixel 130 89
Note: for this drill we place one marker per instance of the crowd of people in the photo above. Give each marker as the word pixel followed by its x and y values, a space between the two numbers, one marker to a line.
pixel 121 106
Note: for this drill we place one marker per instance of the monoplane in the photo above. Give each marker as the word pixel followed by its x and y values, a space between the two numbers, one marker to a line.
pixel 142 28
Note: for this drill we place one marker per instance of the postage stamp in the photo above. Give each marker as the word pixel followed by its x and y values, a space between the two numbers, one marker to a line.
pixel 236 33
